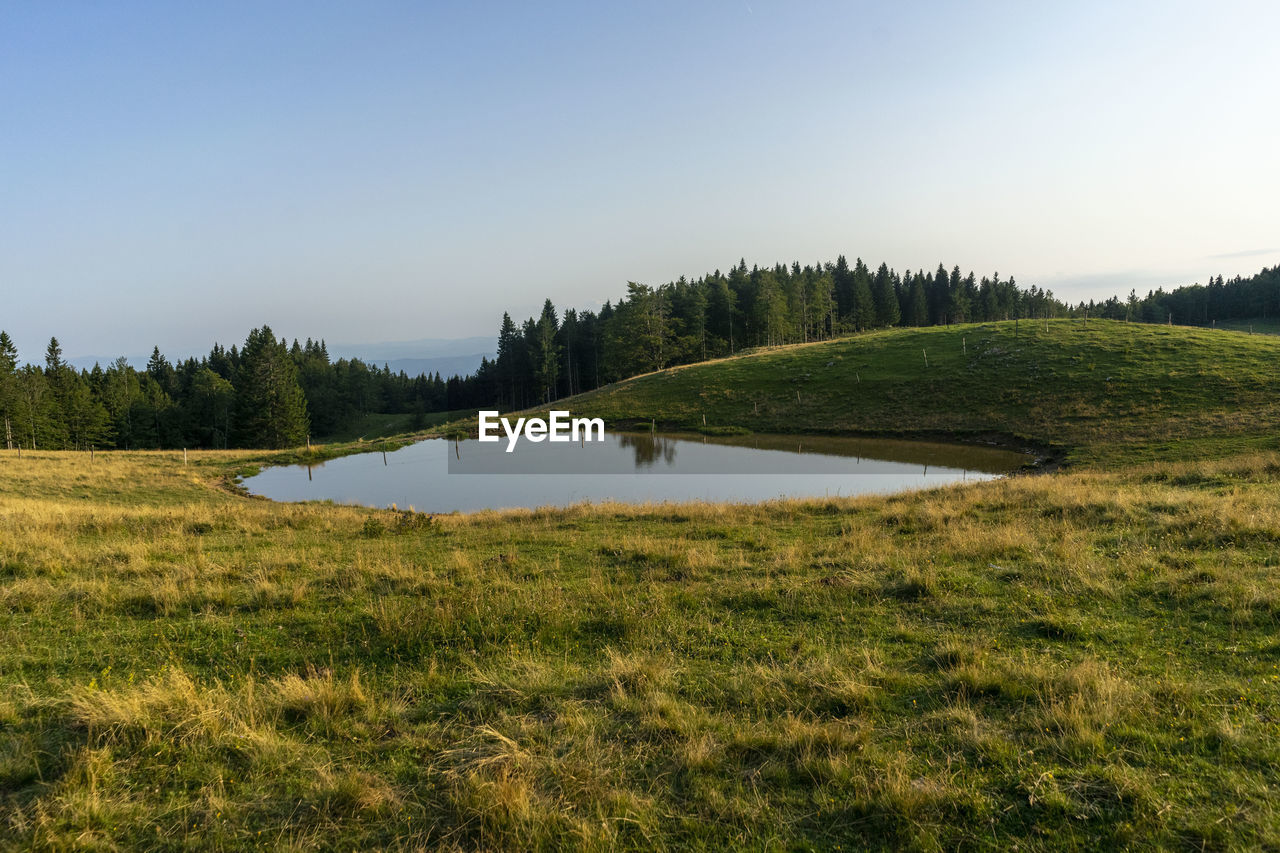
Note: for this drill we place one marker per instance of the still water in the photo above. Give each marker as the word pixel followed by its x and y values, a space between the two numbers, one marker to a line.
pixel 440 475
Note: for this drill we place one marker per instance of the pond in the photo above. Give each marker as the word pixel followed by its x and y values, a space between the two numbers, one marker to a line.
pixel 441 475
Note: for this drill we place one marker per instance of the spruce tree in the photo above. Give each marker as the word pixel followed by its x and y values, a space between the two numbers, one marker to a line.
pixel 58 381
pixel 886 298
pixel 160 370
pixel 546 353
pixel 919 315
pixel 508 352
pixel 842 285
pixel 864 306
pixel 271 410
pixel 8 389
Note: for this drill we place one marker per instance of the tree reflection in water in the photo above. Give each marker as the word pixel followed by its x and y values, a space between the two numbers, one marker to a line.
pixel 648 449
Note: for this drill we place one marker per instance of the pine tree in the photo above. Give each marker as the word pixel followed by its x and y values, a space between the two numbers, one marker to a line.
pixel 864 306
pixel 8 388
pixel 53 361
pixel 271 410
pixel 546 353
pixel 161 371
pixel 508 352
pixel 771 309
pixel 842 284
pixel 568 337
pixel 886 298
pixel 36 408
pixel 957 308
pixel 54 404
pixel 919 315
pixel 211 403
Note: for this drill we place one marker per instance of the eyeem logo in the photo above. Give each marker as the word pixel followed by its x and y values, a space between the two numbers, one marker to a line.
pixel 561 427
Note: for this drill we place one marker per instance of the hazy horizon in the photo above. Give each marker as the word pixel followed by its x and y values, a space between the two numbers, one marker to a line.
pixel 389 172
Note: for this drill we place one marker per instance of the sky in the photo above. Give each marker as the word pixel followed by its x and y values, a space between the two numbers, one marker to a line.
pixel 176 174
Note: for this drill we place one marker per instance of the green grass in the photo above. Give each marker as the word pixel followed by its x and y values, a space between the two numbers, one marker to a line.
pixel 1080 660
pixel 1106 391
pixel 1255 325
pixel 382 425
pixel 1073 661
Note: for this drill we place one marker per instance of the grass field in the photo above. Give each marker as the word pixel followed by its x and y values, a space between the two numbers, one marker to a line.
pixel 1255 325
pixel 383 425
pixel 1087 659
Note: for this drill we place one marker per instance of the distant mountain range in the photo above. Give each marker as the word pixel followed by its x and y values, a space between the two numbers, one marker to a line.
pixel 422 348
pixel 446 365
pixel 446 356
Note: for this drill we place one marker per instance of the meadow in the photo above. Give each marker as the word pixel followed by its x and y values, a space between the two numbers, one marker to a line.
pixel 1096 392
pixel 1086 658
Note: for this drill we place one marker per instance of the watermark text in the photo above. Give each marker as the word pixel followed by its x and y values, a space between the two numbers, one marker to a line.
pixel 560 426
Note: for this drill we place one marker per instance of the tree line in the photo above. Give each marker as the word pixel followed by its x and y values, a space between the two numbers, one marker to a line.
pixel 272 394
pixel 685 321
pixel 264 394
pixel 1238 298
pixel 719 314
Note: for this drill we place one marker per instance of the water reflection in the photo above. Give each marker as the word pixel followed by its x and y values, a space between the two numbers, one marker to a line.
pixel 649 448
pixel 441 476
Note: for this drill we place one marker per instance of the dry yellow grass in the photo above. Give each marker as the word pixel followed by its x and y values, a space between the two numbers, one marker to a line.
pixel 1083 659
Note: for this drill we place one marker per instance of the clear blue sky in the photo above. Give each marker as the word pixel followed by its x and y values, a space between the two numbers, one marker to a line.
pixel 176 173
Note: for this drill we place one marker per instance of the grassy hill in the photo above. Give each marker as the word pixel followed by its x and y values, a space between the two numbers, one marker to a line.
pixel 1108 390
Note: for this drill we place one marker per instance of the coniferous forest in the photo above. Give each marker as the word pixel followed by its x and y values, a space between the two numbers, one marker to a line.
pixel 684 321
pixel 263 394
pixel 269 393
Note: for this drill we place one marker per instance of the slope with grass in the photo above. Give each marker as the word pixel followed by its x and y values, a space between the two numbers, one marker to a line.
pixel 1074 661
pixel 1252 325
pixel 1106 390
pixel 379 425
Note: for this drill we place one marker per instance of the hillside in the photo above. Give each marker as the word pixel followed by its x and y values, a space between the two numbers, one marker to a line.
pixel 1106 391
